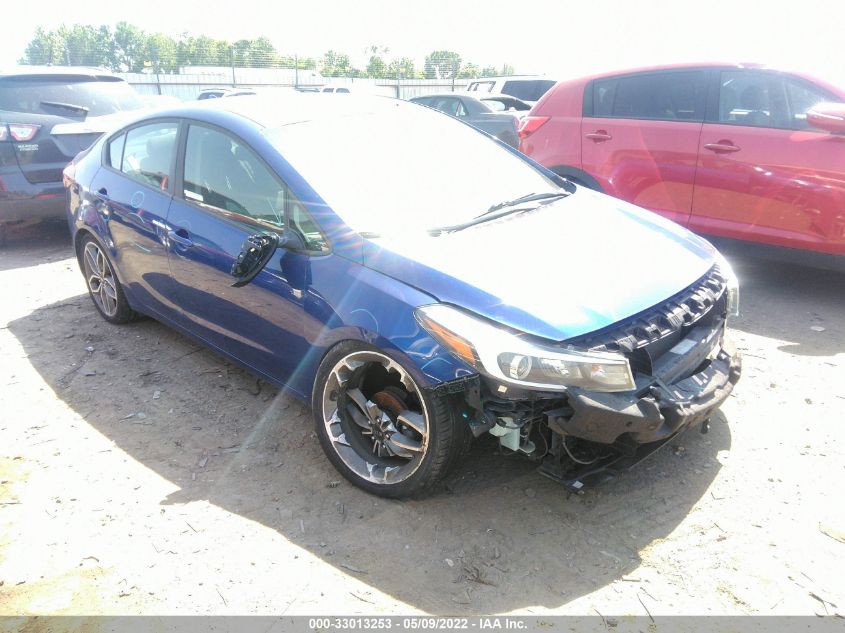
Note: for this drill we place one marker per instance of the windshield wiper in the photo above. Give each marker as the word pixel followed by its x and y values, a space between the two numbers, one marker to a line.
pixel 531 197
pixel 66 106
pixel 502 209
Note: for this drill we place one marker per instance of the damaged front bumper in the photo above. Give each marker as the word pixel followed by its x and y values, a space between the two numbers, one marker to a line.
pixel 656 411
pixel 637 423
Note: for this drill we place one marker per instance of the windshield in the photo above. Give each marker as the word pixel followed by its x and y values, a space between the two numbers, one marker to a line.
pixel 408 168
pixel 53 95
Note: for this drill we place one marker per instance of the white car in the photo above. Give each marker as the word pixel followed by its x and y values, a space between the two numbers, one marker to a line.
pixel 528 88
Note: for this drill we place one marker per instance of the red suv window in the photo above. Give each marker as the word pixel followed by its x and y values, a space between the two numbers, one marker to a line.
pixel 670 96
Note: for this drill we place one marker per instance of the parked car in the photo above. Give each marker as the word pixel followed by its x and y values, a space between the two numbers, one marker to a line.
pixel 48 115
pixel 414 296
pixel 159 101
pixel 733 151
pixel 528 88
pixel 470 109
pixel 222 91
pixel 505 103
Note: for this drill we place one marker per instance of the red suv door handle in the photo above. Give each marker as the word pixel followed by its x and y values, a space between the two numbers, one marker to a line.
pixel 599 136
pixel 722 147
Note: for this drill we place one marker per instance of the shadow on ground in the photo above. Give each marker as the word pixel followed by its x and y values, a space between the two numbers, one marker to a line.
pixel 50 239
pixel 806 299
pixel 513 538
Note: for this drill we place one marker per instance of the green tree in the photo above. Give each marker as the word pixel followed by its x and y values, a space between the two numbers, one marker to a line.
pixel 338 65
pixel 469 71
pixel 161 53
pixel 402 69
pixel 46 47
pixel 129 48
pixel 86 45
pixel 442 65
pixel 377 68
pixel 263 53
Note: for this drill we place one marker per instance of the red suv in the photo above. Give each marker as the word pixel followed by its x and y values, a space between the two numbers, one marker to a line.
pixel 733 151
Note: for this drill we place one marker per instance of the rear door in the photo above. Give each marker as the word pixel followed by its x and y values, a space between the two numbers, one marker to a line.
pixel 639 137
pixel 134 190
pixel 765 175
pixel 227 193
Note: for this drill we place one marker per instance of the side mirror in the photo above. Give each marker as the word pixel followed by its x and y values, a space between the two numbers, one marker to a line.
pixel 829 117
pixel 256 251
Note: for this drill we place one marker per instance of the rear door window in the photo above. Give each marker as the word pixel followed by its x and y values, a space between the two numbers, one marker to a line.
pixel 66 95
pixel 671 96
pixel 450 106
pixel 148 153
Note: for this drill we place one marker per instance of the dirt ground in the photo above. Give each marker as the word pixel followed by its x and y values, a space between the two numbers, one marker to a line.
pixel 142 474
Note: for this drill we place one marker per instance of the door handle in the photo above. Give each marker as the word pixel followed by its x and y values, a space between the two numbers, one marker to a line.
pixel 722 147
pixel 102 206
pixel 599 136
pixel 180 236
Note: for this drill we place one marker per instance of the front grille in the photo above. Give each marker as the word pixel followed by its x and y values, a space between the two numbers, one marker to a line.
pixel 646 336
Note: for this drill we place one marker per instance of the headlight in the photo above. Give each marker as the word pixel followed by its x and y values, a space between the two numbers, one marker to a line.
pixel 509 358
pixel 732 289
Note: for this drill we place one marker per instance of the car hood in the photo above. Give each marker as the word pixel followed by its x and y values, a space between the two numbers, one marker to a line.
pixel 565 269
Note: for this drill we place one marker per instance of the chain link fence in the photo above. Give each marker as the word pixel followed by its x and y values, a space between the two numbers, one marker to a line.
pixel 159 64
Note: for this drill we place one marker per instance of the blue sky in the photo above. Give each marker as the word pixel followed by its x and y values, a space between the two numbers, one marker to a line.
pixel 559 38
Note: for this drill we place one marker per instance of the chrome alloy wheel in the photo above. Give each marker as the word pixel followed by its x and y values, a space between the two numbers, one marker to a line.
pixel 100 278
pixel 375 417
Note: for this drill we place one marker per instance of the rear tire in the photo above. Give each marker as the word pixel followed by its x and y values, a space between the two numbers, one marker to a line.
pixel 378 428
pixel 103 286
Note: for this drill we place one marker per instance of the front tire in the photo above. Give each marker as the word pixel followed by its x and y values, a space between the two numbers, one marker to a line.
pixel 103 286
pixel 382 431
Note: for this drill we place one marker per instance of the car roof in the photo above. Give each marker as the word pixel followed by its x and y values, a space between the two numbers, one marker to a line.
pixel 287 108
pixel 513 77
pixel 457 93
pixel 711 64
pixel 64 71
pixel 678 66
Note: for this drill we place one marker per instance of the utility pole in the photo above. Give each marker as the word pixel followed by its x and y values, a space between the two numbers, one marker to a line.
pixel 232 63
pixel 296 71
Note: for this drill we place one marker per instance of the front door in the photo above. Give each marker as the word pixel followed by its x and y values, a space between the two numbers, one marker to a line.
pixel 641 140
pixel 227 193
pixel 764 174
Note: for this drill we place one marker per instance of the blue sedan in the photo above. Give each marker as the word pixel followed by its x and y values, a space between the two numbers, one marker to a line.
pixel 417 281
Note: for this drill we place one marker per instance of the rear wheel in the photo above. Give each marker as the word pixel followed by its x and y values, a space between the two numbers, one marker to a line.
pixel 378 427
pixel 103 286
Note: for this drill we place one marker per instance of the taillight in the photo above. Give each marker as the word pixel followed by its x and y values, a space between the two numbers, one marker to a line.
pixel 531 124
pixel 22 131
pixel 68 174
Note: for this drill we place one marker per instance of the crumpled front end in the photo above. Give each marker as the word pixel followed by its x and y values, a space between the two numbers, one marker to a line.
pixel 684 369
